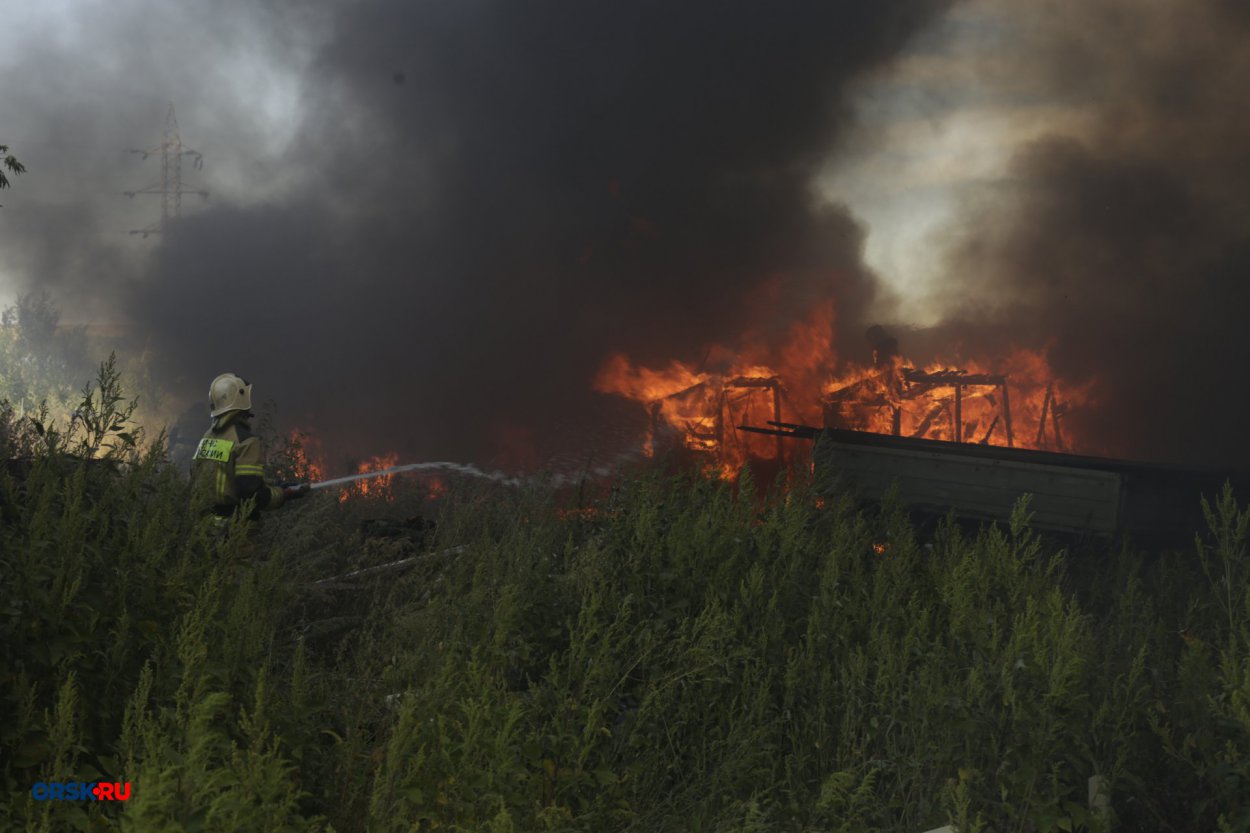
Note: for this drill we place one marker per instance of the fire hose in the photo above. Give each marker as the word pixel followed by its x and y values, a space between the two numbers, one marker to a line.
pixel 459 468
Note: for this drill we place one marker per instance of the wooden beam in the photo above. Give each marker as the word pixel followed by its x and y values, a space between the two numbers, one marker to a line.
pixel 951 377
pixel 1041 425
pixel 1007 414
pixel 720 423
pixel 985 440
pixel 933 414
pixel 781 449
pixel 959 412
pixel 1054 421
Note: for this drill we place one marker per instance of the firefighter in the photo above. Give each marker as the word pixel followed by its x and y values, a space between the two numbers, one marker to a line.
pixel 229 461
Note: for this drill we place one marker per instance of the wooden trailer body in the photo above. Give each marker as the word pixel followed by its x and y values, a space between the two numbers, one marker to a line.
pixel 1068 493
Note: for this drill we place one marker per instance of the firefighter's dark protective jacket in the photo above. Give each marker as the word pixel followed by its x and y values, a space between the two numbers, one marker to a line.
pixel 229 465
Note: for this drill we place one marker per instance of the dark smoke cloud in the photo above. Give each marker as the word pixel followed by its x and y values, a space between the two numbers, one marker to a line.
pixel 84 83
pixel 505 193
pixel 1124 247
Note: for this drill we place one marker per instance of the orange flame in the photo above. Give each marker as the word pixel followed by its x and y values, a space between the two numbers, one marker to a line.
pixel 303 453
pixel 1016 402
pixel 698 408
pixel 376 488
pixel 1020 403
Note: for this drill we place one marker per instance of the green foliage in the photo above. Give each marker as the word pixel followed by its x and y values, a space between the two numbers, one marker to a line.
pixel 101 427
pixel 682 656
pixel 41 361
pixel 10 164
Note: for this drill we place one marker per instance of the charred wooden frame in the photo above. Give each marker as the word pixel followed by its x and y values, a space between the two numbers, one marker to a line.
pixel 922 382
pixel 713 441
pixel 916 383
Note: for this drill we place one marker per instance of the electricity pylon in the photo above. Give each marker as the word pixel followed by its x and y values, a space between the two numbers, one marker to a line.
pixel 170 187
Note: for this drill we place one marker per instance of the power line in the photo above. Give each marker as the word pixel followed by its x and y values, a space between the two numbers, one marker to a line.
pixel 170 187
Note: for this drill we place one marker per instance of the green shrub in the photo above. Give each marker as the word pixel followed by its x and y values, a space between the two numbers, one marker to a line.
pixel 678 655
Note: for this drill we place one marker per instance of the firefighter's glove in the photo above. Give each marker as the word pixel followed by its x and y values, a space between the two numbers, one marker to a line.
pixel 296 491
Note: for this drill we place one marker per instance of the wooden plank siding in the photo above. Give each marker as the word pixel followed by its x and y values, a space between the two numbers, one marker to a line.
pixel 1156 503
pixel 1063 499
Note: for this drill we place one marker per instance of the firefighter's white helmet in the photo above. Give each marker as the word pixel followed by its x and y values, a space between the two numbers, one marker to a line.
pixel 229 393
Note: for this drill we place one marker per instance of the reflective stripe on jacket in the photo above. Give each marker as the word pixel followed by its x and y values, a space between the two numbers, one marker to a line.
pixel 229 461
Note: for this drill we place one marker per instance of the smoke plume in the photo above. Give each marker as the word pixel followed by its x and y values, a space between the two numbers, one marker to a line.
pixel 431 223
pixel 504 194
pixel 1122 246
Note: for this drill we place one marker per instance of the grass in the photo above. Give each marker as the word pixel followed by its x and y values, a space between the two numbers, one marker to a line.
pixel 683 657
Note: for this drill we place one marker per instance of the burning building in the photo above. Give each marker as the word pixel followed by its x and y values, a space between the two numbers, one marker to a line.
pixel 699 410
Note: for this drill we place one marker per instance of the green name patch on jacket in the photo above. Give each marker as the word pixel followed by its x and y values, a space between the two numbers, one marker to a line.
pixel 215 450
